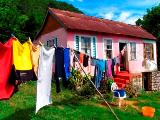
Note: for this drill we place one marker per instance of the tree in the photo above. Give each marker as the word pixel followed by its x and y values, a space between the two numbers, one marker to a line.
pixel 151 21
pixel 24 18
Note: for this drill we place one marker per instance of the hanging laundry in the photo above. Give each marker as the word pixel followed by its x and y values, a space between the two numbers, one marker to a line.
pixel 118 60
pixel 59 68
pixel 109 71
pixel 112 66
pixel 93 61
pixel 35 53
pixel 81 57
pixel 92 65
pixel 117 69
pixel 22 61
pixel 44 78
pixel 99 69
pixel 67 62
pixel 85 60
pixel 73 59
pixel 117 64
pixel 77 53
pixel 106 66
pixel 6 85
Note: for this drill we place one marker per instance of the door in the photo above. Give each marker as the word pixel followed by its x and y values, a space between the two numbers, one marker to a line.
pixel 123 56
pixel 146 76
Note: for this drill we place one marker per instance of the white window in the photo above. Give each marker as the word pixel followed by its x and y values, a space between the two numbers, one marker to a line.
pixel 107 48
pixel 133 50
pixel 86 44
pixel 53 42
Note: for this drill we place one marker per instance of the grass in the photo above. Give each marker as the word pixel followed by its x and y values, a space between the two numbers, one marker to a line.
pixel 68 106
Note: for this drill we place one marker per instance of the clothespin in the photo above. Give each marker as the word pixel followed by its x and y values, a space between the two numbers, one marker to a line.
pixel 12 35
pixel 54 45
pixel 29 40
pixel 40 43
pixel 62 46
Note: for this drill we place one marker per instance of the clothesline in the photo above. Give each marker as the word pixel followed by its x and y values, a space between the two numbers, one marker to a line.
pixel 97 89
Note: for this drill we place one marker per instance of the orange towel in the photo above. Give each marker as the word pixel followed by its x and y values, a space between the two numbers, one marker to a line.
pixel 35 52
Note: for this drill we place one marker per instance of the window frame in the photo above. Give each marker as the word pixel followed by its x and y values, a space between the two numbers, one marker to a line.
pixel 151 52
pixel 51 42
pixel 133 51
pixel 104 50
pixel 80 43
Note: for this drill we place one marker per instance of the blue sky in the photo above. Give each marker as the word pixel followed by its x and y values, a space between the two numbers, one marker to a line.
pixel 127 11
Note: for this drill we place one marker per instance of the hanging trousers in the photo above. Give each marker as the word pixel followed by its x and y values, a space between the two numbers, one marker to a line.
pixel 67 62
pixel 59 68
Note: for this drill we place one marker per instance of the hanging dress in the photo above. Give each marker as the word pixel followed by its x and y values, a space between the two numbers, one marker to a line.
pixel 6 86
pixel 44 78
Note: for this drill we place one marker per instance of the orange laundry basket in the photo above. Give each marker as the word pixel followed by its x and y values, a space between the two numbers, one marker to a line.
pixel 148 111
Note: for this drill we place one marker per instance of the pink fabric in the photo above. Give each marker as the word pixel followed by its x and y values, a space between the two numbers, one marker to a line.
pixel 109 72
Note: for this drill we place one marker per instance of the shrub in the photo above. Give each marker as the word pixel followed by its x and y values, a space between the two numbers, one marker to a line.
pixel 87 89
pixel 131 90
pixel 76 80
pixel 106 86
pixel 81 84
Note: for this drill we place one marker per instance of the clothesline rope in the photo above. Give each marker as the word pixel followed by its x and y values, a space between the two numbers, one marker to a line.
pixel 96 88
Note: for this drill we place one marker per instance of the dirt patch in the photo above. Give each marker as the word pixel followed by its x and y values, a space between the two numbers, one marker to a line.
pixel 125 104
pixel 133 104
pixel 60 107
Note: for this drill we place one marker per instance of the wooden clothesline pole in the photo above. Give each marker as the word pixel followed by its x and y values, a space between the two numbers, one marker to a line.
pixel 97 89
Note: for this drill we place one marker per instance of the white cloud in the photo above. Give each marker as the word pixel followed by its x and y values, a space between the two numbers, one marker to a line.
pixel 123 16
pixel 108 15
pixel 132 20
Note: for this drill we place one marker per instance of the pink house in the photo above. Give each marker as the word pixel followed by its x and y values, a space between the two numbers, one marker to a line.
pixel 102 38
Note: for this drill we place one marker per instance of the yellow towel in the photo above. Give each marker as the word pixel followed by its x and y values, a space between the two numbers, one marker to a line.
pixel 22 55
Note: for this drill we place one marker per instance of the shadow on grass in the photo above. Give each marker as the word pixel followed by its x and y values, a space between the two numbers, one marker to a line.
pixel 21 114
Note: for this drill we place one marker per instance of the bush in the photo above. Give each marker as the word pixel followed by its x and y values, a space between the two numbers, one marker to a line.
pixel 87 89
pixel 106 86
pixel 81 84
pixel 131 90
pixel 76 80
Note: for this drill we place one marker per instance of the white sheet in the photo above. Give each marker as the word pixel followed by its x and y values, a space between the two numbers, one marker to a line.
pixel 44 78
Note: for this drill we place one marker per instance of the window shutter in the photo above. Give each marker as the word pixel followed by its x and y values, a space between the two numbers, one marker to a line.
pixel 94 47
pixel 77 43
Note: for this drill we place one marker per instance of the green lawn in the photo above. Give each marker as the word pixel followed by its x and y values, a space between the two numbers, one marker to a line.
pixel 68 106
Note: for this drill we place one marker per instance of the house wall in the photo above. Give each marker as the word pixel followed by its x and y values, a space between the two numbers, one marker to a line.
pixel 66 39
pixel 134 66
pixel 60 33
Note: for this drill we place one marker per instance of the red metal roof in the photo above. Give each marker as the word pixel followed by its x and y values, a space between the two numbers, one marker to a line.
pixel 77 21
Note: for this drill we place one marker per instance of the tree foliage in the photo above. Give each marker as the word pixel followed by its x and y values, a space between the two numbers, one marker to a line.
pixel 151 21
pixel 23 18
